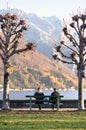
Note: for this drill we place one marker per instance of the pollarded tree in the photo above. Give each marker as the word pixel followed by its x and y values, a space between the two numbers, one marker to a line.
pixel 75 51
pixel 11 31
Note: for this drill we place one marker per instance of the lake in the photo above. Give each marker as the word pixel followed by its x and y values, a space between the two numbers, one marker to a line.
pixel 68 94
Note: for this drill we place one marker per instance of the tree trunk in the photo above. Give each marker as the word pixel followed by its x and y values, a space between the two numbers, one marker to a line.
pixel 80 92
pixel 5 103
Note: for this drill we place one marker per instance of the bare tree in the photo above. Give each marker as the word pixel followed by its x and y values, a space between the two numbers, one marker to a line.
pixel 11 32
pixel 75 53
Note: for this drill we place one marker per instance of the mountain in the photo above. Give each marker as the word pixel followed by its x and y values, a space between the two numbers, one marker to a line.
pixel 44 31
pixel 32 69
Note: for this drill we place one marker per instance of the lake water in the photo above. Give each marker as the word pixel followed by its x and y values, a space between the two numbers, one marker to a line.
pixel 21 94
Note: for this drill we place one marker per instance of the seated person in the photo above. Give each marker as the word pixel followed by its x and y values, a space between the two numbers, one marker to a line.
pixel 53 98
pixel 39 95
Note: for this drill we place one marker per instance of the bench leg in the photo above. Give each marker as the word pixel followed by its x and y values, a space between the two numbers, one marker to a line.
pixel 58 104
pixel 30 104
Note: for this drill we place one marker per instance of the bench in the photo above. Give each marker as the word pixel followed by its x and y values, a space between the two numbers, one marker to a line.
pixel 46 101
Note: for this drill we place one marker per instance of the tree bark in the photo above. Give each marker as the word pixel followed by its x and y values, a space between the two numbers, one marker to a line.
pixel 5 103
pixel 80 92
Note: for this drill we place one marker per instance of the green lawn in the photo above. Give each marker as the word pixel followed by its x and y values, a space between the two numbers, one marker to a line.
pixel 25 120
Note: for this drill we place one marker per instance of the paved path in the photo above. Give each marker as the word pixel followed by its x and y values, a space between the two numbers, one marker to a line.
pixel 47 109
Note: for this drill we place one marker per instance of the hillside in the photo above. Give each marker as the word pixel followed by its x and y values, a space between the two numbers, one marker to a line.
pixel 34 69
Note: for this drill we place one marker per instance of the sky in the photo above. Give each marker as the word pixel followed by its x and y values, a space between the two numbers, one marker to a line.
pixel 60 8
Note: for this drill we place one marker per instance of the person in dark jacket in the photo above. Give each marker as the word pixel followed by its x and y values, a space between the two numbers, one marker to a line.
pixel 54 97
pixel 39 95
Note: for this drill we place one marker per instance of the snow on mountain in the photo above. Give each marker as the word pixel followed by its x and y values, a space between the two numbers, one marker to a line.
pixel 44 31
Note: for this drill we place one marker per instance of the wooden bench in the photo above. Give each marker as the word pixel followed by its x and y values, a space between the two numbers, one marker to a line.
pixel 46 101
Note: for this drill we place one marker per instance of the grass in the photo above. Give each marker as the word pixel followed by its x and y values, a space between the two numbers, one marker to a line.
pixel 25 120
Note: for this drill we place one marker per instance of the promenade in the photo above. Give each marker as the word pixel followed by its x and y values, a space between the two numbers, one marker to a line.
pixel 44 109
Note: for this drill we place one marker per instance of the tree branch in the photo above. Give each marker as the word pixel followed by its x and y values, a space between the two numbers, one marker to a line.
pixel 70 48
pixel 69 36
pixel 73 59
pixel 18 51
pixel 65 61
pixel 84 54
pixel 1 57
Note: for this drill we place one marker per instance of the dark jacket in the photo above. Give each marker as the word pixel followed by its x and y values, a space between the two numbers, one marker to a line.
pixel 54 97
pixel 39 97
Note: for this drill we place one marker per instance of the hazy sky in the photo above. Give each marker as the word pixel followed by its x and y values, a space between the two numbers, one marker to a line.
pixel 59 8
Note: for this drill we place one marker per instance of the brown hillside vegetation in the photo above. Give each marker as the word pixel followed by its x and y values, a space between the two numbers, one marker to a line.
pixel 29 70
